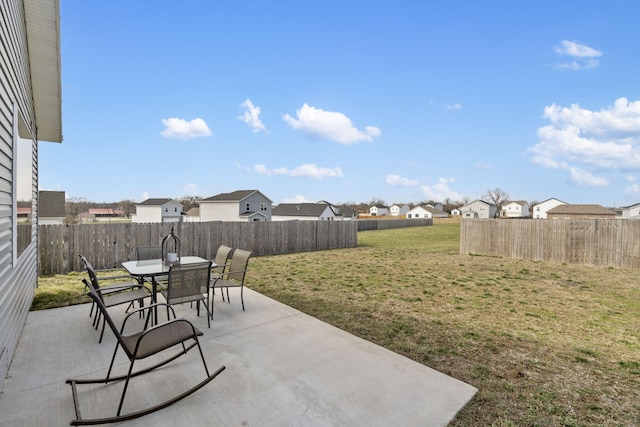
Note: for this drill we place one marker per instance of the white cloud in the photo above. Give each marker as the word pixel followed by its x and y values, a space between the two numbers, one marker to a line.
pixel 441 190
pixel 453 106
pixel 298 199
pixel 583 177
pixel 583 56
pixel 483 165
pixel 190 189
pixel 306 170
pixel 145 196
pixel 330 125
pixel 251 116
pixel 583 141
pixel 632 189
pixel 182 129
pixel 398 180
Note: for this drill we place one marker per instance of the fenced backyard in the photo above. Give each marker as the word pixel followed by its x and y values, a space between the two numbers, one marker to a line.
pixel 592 242
pixel 108 245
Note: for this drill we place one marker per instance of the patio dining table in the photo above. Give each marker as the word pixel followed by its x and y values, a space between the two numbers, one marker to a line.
pixel 154 268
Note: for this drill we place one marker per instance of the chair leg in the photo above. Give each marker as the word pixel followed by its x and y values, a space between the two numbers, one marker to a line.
pixel 102 333
pixel 126 384
pixel 242 296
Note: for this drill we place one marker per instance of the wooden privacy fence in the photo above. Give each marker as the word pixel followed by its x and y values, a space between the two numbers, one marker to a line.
pixel 108 245
pixel 593 242
pixel 385 224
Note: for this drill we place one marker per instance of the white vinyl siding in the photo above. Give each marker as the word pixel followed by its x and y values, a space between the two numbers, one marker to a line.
pixel 18 275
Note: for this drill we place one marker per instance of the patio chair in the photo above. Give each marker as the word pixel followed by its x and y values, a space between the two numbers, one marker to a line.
pixel 135 292
pixel 111 287
pixel 185 284
pixel 222 261
pixel 152 252
pixel 234 277
pixel 140 345
pixel 111 291
pixel 149 252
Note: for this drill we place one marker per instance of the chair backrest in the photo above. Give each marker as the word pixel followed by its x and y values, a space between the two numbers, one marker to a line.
pixel 188 280
pixel 94 294
pixel 222 256
pixel 149 252
pixel 239 263
pixel 92 275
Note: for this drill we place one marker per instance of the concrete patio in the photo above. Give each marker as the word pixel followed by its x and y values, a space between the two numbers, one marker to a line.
pixel 283 368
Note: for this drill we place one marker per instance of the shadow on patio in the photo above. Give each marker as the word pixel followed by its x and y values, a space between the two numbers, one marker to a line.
pixel 282 368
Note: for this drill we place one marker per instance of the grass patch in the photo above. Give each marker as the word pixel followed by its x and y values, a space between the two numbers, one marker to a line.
pixel 545 344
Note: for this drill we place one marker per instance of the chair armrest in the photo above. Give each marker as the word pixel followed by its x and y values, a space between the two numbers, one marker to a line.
pixel 148 307
pixel 228 273
pixel 158 348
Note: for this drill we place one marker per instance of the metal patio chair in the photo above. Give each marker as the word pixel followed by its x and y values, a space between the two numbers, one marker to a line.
pixel 186 283
pixel 140 345
pixel 110 288
pixel 136 292
pixel 222 262
pixel 234 277
pixel 152 252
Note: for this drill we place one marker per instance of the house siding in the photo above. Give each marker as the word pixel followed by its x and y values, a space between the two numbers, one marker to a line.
pixel 219 211
pixel 18 277
pixel 539 211
pixel 232 209
pixel 146 214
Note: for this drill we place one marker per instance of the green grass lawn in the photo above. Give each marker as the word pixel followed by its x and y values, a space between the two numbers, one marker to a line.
pixel 545 344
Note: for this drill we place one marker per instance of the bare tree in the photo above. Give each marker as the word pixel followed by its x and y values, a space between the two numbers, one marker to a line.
pixel 75 206
pixel 377 202
pixel 496 196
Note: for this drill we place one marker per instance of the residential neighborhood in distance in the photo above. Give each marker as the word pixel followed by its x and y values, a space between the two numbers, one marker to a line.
pixel 253 205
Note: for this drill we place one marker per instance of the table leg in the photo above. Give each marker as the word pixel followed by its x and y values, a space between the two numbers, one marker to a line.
pixel 154 299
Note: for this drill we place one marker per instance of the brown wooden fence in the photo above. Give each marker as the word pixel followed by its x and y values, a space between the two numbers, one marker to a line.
pixel 108 245
pixel 385 224
pixel 593 242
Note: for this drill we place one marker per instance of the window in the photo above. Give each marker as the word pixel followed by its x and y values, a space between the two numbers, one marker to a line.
pixel 24 193
pixel 248 207
pixel 263 207
pixel 23 186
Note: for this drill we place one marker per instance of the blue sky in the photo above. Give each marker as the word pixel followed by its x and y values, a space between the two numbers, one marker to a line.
pixel 348 101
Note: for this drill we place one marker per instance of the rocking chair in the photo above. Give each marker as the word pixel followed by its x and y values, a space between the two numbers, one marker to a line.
pixel 139 345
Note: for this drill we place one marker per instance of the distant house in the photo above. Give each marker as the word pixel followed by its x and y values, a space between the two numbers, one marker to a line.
pixel 345 214
pixel 631 212
pixel 51 210
pixel 478 209
pixel 192 215
pixel 342 213
pixel 303 212
pixel 426 211
pixel 102 213
pixel 539 210
pixel 23 211
pixel 567 211
pixel 456 211
pixel 241 205
pixel 157 210
pixel 515 209
pixel 378 210
pixel 398 210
